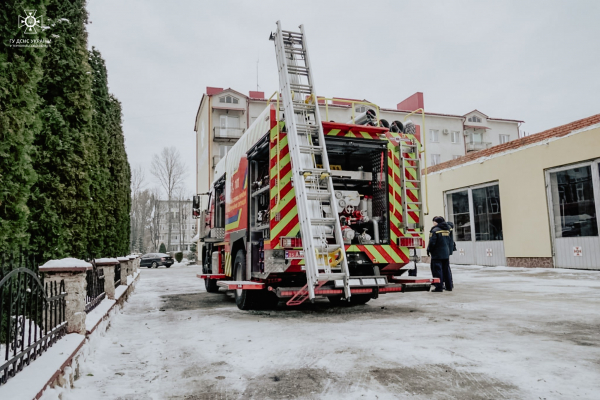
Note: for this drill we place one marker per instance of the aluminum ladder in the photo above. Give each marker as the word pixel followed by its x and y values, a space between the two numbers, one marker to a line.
pixel 409 160
pixel 315 197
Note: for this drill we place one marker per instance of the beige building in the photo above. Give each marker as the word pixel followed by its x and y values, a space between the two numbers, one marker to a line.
pixel 532 202
pixel 183 227
pixel 225 114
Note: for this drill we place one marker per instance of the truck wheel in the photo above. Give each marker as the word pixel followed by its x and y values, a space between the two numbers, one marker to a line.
pixel 245 299
pixel 154 265
pixel 211 285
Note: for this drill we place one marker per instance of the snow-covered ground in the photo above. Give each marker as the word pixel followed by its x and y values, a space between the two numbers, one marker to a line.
pixel 503 333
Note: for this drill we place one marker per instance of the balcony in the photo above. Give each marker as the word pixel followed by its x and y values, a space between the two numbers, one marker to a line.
pixel 227 134
pixel 476 146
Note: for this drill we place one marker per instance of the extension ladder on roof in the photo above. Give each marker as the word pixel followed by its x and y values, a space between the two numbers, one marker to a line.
pixel 317 208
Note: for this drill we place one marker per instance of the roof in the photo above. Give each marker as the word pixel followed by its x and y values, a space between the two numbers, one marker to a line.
pixel 475 111
pixel 557 132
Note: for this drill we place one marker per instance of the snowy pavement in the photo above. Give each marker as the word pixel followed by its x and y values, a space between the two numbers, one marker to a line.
pixel 504 333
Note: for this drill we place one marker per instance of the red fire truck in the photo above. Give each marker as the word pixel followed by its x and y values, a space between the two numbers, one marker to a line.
pixel 303 208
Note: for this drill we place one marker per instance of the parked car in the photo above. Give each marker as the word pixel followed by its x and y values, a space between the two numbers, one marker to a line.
pixel 153 260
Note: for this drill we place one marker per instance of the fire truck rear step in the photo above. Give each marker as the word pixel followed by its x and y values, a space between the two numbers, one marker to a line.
pixel 212 276
pixel 246 285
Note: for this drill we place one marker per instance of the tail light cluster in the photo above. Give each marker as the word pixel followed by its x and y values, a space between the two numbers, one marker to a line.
pixel 290 242
pixel 414 242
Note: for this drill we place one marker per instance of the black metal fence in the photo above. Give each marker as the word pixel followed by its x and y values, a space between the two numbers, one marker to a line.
pixel 117 275
pixel 95 287
pixel 32 315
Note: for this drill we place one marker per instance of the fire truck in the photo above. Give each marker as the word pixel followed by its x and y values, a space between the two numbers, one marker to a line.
pixel 302 207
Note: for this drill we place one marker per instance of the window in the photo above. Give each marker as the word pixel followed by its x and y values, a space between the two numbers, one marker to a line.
pixel 458 213
pixel 229 126
pixel 486 223
pixel 474 118
pixel 455 137
pixel 488 218
pixel 223 150
pixel 434 135
pixel 228 100
pixel 360 109
pixel 504 138
pixel 573 203
pixel 435 159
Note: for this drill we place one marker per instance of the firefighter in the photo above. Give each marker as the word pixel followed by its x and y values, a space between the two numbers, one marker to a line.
pixel 439 249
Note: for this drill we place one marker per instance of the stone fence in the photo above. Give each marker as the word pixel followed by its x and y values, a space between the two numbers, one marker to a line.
pixel 73 273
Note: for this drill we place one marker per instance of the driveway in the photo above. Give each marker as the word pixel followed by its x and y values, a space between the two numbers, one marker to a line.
pixel 503 333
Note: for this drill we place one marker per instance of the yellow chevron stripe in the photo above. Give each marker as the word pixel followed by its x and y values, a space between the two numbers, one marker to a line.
pixel 333 132
pixel 365 135
pixel 228 271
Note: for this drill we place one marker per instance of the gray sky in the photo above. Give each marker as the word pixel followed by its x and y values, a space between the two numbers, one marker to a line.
pixel 537 61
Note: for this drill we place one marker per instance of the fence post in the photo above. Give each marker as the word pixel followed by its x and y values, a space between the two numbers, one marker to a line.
pixel 108 269
pixel 124 269
pixel 73 272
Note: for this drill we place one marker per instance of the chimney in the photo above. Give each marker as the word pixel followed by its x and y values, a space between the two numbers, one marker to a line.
pixel 412 103
pixel 213 90
pixel 257 95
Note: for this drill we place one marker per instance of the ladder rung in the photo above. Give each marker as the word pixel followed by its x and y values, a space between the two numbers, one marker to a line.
pixel 413 202
pixel 410 159
pixel 411 180
pixel 323 221
pixel 321 195
pixel 310 149
pixel 299 34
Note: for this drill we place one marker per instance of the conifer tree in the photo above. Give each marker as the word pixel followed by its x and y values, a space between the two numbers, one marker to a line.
pixel 20 71
pixel 60 200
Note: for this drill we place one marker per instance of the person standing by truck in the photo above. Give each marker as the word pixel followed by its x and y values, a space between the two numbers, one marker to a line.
pixel 439 249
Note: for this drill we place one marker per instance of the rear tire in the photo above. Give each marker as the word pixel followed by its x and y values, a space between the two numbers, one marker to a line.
pixel 154 265
pixel 245 299
pixel 211 285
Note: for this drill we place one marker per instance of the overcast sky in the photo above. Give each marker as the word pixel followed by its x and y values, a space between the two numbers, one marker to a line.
pixel 537 61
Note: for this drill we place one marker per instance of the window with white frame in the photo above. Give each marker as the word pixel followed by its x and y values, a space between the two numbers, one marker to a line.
pixel 455 136
pixel 229 126
pixel 504 139
pixel 474 118
pixel 435 159
pixel 434 135
pixel 228 100
pixel 573 202
pixel 360 109
pixel 483 221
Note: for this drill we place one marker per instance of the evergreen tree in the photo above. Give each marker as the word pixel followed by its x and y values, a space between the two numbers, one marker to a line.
pixel 119 203
pixel 20 71
pixel 100 172
pixel 163 248
pixel 60 200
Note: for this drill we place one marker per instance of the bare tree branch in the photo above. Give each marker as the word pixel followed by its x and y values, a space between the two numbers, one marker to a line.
pixel 170 172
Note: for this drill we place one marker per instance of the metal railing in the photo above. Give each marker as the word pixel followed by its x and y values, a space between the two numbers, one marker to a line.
pixel 476 146
pixel 117 275
pixel 32 315
pixel 228 133
pixel 95 287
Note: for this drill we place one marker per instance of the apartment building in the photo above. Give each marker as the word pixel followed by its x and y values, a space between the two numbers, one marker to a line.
pixel 224 115
pixel 183 227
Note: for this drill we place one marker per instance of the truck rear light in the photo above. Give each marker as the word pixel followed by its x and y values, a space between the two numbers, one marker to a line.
pixel 290 242
pixel 411 242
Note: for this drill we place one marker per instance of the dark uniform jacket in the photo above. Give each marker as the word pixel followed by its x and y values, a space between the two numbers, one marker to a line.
pixel 440 242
